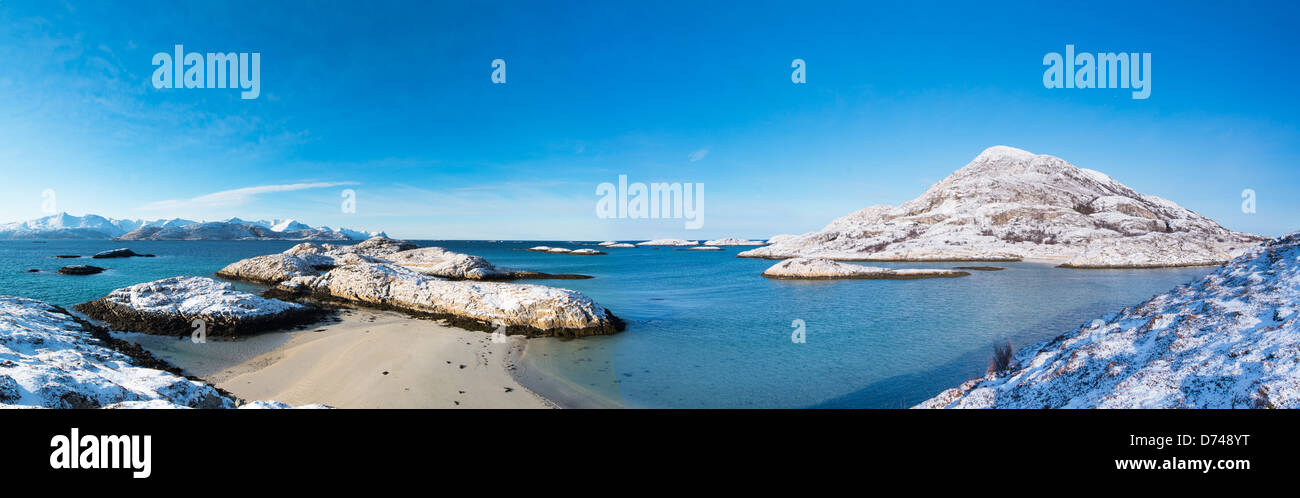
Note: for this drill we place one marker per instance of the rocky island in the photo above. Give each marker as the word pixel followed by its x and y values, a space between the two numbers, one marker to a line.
pixel 80 270
pixel 389 274
pixel 825 269
pixel 1010 205
pixel 668 242
pixel 732 241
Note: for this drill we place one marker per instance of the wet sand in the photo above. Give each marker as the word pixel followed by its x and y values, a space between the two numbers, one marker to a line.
pixel 365 359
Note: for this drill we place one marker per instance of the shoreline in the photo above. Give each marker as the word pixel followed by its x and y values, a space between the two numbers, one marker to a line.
pixel 363 358
pixel 554 389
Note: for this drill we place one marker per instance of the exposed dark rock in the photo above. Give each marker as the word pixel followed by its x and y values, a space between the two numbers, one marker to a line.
pixel 116 253
pixel 80 270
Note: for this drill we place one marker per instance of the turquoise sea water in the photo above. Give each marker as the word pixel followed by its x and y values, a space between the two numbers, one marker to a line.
pixel 704 329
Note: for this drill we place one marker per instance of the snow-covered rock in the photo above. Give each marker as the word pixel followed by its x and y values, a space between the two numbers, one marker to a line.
pixel 49 359
pixel 1229 340
pixel 620 245
pixel 169 307
pixel 1008 204
pixel 780 238
pixel 1147 251
pixel 821 268
pixel 273 268
pixel 564 250
pixel 310 259
pixel 732 241
pixel 392 274
pixel 440 262
pixel 669 242
pixel 523 308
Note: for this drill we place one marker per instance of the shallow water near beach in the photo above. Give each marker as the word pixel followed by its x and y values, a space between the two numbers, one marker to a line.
pixel 704 329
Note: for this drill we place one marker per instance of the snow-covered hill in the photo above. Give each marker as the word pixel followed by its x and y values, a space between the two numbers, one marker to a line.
pixel 1010 204
pixel 51 359
pixel 95 227
pixel 1229 340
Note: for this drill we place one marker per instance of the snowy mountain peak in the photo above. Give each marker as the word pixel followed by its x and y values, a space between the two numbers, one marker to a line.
pixel 290 225
pixel 1010 204
pixel 1003 153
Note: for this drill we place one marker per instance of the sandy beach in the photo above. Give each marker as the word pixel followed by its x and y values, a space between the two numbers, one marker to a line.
pixel 363 359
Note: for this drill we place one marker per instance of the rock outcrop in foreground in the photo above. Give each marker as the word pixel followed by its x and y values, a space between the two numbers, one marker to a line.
pixel 1229 340
pixel 50 359
pixel 1009 205
pixel 386 274
pixel 169 307
pixel 824 269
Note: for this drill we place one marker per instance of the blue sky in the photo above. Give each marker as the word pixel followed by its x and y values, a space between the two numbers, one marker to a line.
pixel 394 101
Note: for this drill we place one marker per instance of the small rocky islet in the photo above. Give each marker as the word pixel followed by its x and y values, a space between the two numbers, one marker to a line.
pixel 826 269
pixel 120 252
pixel 80 270
pixel 565 250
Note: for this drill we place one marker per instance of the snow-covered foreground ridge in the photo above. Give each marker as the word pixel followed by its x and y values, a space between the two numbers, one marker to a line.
pixel 391 274
pixel 49 359
pixel 95 227
pixel 1229 340
pixel 1008 204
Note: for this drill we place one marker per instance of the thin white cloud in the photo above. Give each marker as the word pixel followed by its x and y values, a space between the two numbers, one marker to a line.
pixel 699 154
pixel 235 197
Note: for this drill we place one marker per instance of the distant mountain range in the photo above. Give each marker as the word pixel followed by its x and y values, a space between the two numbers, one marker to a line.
pixel 94 227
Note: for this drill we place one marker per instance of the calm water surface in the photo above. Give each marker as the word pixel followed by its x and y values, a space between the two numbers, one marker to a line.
pixel 704 329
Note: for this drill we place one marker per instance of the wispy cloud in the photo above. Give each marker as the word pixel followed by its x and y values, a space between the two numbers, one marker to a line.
pixel 699 154
pixel 235 197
